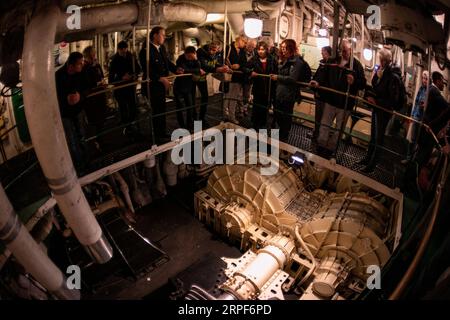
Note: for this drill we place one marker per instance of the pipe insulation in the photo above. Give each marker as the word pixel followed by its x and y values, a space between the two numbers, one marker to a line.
pixel 47 133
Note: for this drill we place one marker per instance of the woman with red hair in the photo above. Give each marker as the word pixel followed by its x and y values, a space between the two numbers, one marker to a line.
pixel 292 68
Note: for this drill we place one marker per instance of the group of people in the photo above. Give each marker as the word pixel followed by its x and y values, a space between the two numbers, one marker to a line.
pixel 80 76
pixel 255 69
pixel 386 90
pixel 271 76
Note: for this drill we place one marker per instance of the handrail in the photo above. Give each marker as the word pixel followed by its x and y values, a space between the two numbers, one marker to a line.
pixel 396 294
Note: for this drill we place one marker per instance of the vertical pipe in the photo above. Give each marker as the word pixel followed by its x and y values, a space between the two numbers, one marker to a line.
pixel 336 29
pixel 134 50
pixel 116 37
pixel 363 45
pixel 28 253
pixel 147 61
pixel 277 27
pixel 294 29
pixel 225 35
pixel 302 12
pixel 47 133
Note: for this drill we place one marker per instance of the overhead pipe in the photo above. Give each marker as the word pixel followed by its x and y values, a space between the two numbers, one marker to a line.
pixel 28 253
pixel 128 15
pixel 182 11
pixel 66 3
pixel 236 23
pixel 47 133
pixel 91 19
pixel 203 35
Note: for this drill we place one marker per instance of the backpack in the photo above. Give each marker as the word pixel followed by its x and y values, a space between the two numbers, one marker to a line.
pixel 401 103
pixel 306 75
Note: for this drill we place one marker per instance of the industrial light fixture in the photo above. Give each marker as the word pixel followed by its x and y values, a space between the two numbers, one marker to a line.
pixel 253 27
pixel 368 54
pixel 297 159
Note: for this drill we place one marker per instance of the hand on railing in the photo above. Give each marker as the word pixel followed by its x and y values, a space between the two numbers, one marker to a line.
pixel 314 84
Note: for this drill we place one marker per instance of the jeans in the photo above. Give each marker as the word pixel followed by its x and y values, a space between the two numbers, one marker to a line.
pixel 232 98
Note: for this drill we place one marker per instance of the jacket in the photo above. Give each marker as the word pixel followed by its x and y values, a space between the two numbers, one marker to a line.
pixel 319 75
pixel 208 63
pixel 184 84
pixel 160 65
pixel 438 110
pixel 289 72
pixel 119 66
pixel 67 84
pixel 233 57
pixel 417 110
pixel 387 89
pixel 335 77
pixel 261 84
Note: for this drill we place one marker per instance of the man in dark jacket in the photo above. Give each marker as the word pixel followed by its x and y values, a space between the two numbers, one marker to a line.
pixel 121 72
pixel 339 76
pixel 386 93
pixel 211 62
pixel 71 86
pixel 160 66
pixel 183 86
pixel 236 59
pixel 95 106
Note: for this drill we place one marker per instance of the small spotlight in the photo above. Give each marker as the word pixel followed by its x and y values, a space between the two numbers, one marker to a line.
pixel 253 27
pixel 297 158
pixel 368 54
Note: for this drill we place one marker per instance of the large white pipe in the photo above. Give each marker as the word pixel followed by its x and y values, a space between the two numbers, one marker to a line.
pixel 236 22
pixel 28 253
pixel 201 34
pixel 125 16
pixel 47 133
pixel 184 12
pixel 235 6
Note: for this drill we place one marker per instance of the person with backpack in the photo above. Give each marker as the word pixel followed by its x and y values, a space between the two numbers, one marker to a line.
pixel 337 74
pixel 389 93
pixel 436 116
pixel 291 70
